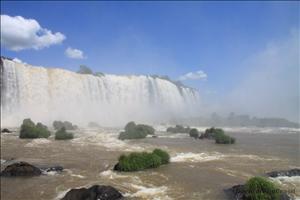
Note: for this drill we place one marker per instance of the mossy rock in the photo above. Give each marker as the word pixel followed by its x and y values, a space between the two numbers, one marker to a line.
pixel 133 131
pixel 63 135
pixel 30 130
pixel 194 133
pixel 178 129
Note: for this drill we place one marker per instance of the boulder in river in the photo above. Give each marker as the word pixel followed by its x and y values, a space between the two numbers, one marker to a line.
pixel 291 172
pixel 238 192
pixel 21 169
pixel 5 130
pixel 53 169
pixel 96 192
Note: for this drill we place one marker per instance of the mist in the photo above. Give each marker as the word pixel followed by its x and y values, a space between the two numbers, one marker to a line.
pixel 269 87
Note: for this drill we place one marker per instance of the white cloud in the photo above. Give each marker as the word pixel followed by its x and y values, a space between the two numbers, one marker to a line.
pixel 18 33
pixel 74 53
pixel 198 75
pixel 18 60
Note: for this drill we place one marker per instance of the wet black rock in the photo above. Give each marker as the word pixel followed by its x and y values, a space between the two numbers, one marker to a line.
pixel 96 192
pixel 21 169
pixel 292 172
pixel 5 130
pixel 238 192
pixel 53 169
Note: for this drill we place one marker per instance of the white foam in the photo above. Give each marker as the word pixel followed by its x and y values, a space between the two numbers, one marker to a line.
pixel 112 175
pixel 253 157
pixel 71 173
pixel 211 156
pixel 108 140
pixel 51 173
pixel 294 180
pixel 78 176
pixel 196 157
pixel 153 193
pixel 174 135
pixel 37 142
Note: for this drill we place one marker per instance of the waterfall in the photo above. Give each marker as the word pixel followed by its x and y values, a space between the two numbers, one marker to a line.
pixel 47 94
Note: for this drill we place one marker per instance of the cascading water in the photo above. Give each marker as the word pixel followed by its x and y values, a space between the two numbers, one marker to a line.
pixel 47 94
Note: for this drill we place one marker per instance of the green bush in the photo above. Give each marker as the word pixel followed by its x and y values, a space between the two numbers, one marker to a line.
pixel 210 133
pixel 133 131
pixel 194 133
pixel 178 129
pixel 140 161
pixel 61 134
pixel 221 138
pixel 218 135
pixel 165 157
pixel 30 130
pixel 259 188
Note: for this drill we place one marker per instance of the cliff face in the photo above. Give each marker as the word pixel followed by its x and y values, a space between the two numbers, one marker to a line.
pixel 47 94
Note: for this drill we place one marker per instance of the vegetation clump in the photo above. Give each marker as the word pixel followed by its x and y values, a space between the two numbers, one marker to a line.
pixel 133 131
pixel 211 133
pixel 178 129
pixel 67 125
pixel 142 160
pixel 61 134
pixel 83 69
pixel 194 133
pixel 221 138
pixel 218 135
pixel 259 188
pixel 30 130
pixel 164 156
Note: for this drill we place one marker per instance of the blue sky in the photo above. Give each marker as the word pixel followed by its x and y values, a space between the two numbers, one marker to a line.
pixel 165 38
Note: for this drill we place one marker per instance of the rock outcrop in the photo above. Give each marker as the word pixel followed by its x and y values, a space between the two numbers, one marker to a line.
pixel 238 192
pixel 96 192
pixel 5 130
pixel 291 172
pixel 21 169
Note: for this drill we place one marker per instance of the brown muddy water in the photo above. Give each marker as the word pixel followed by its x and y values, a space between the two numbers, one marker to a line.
pixel 199 169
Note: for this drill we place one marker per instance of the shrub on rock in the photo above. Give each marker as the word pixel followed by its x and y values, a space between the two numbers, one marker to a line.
pixel 68 125
pixel 210 133
pixel 221 138
pixel 194 133
pixel 218 135
pixel 165 157
pixel 178 129
pixel 30 130
pixel 63 135
pixel 133 131
pixel 259 188
pixel 140 161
